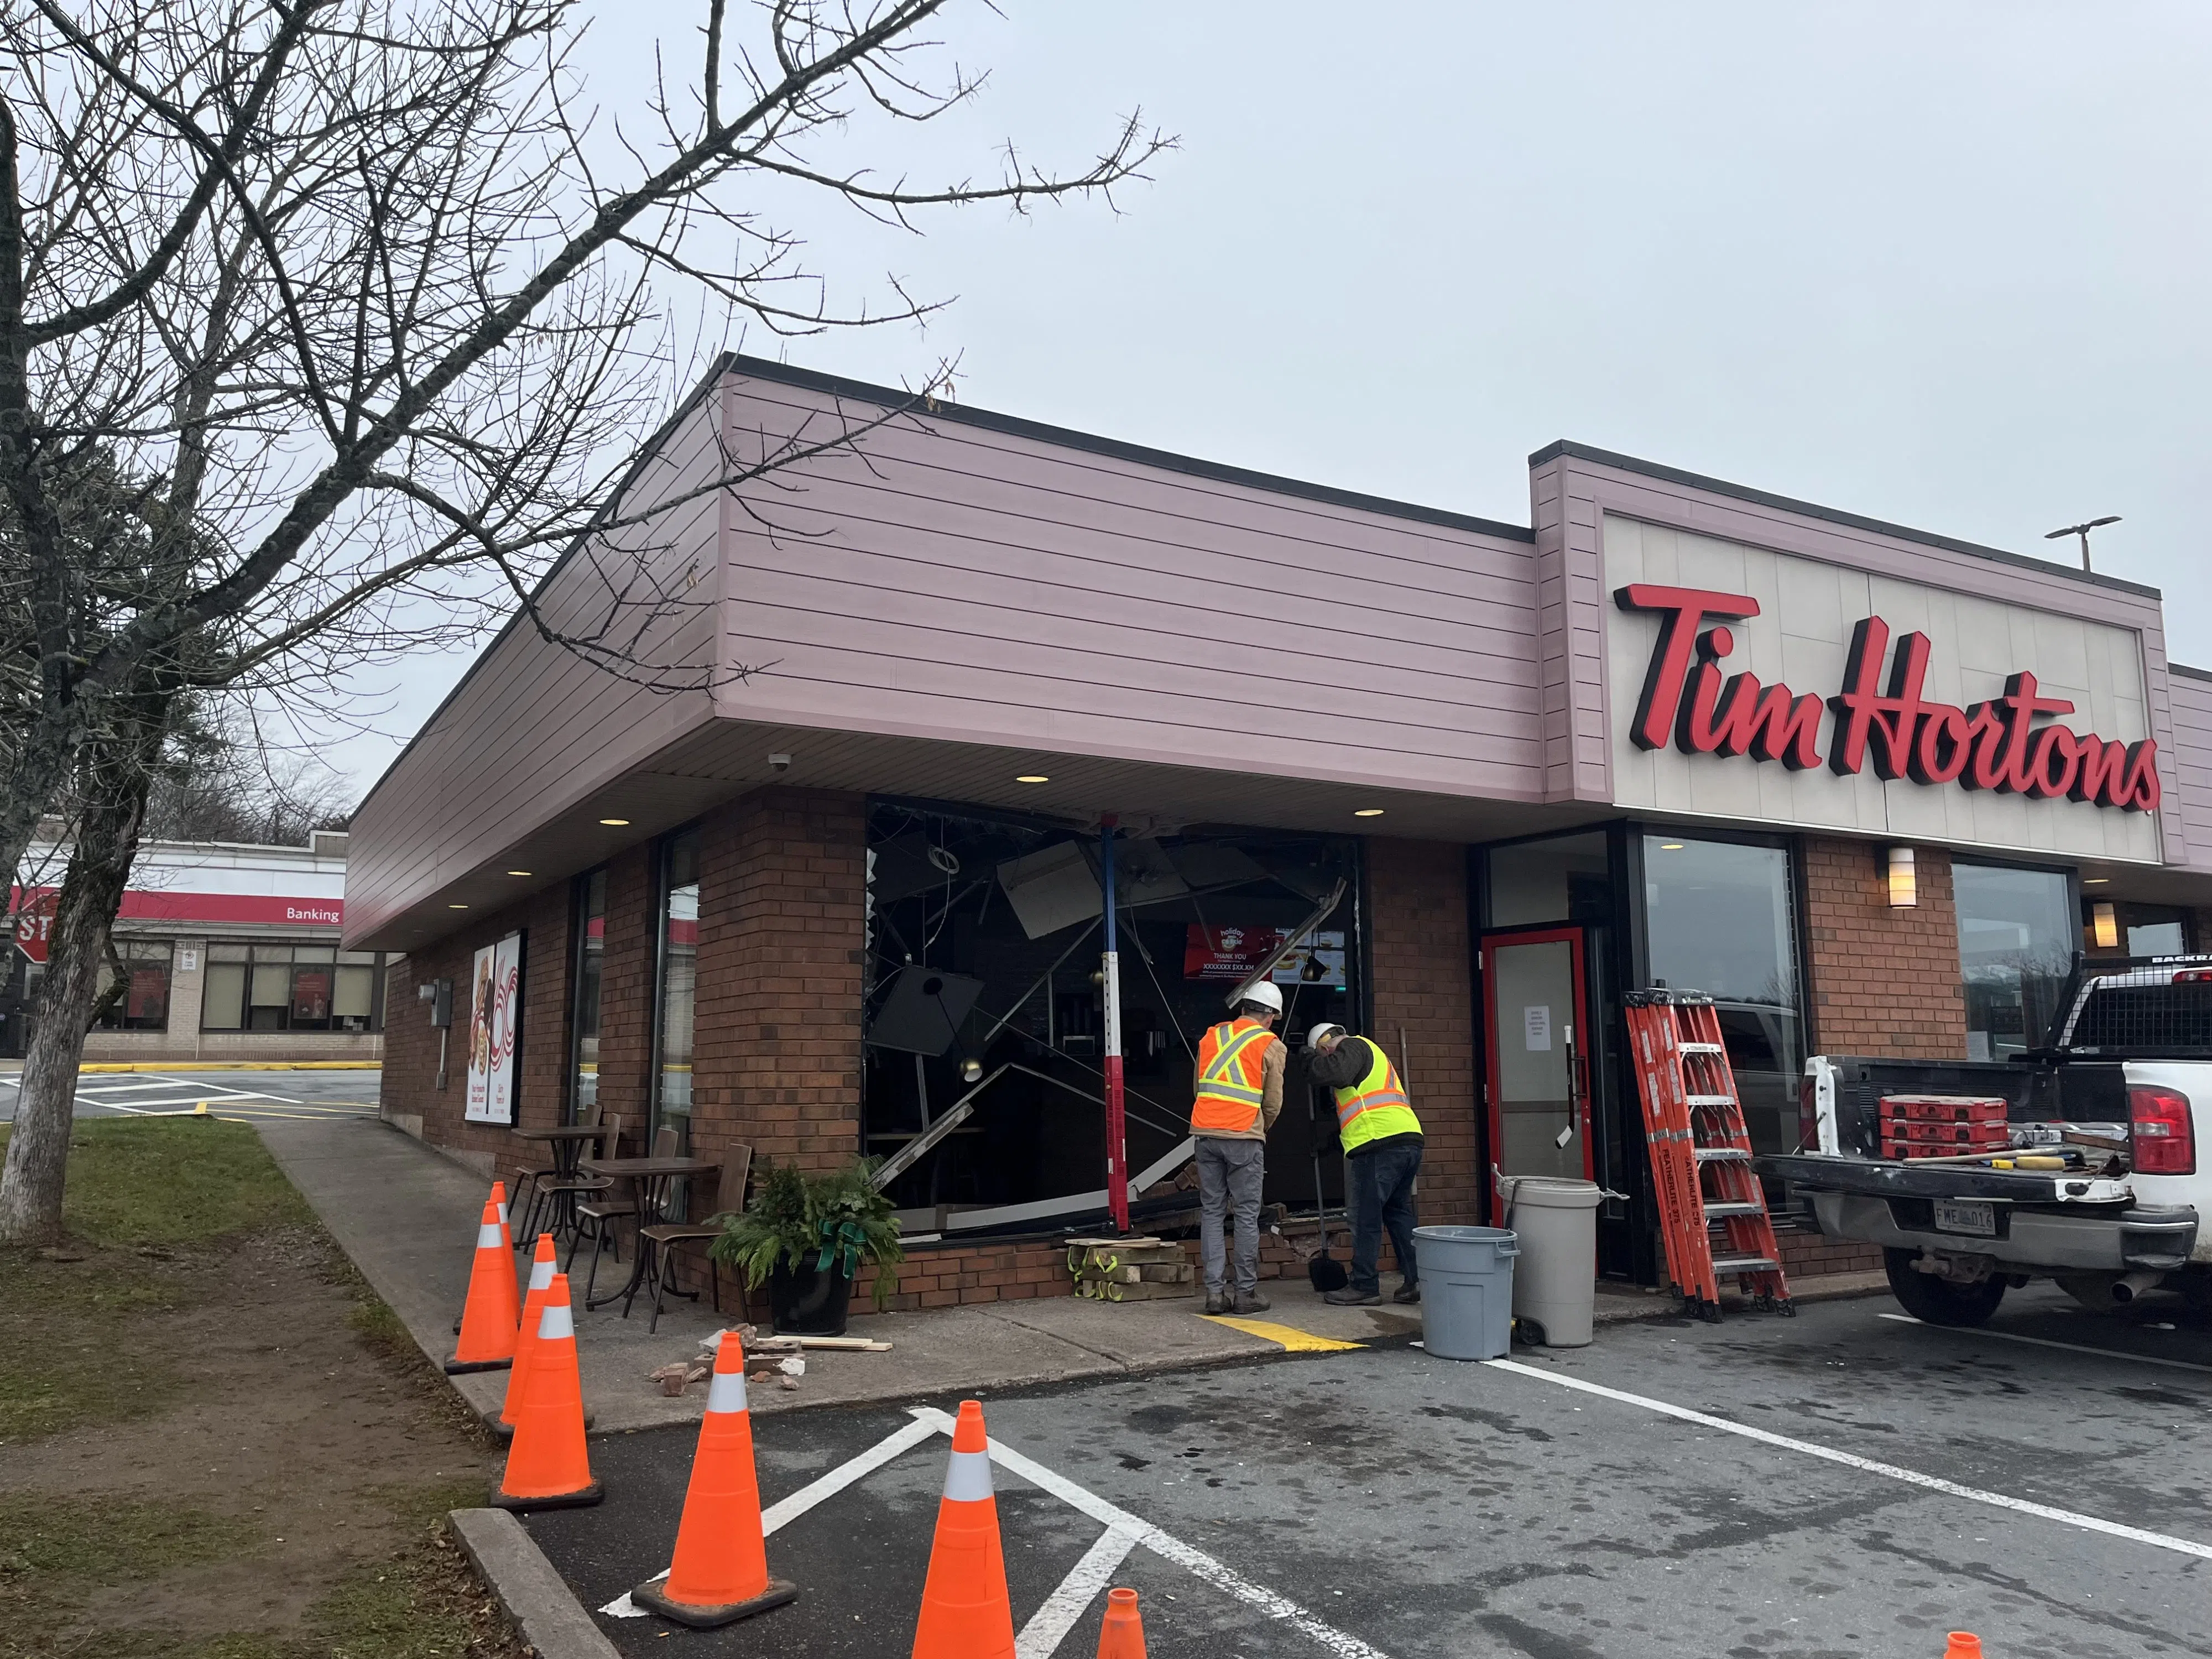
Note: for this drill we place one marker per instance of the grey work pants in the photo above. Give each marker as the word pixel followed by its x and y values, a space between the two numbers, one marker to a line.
pixel 1229 1173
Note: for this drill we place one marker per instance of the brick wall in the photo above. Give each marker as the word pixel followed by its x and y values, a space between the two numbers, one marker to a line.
pixel 1884 981
pixel 1808 1255
pixel 1417 924
pixel 776 1061
pixel 411 1097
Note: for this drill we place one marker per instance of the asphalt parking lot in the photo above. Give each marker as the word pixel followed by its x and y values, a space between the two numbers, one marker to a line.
pixel 1863 1485
pixel 244 1096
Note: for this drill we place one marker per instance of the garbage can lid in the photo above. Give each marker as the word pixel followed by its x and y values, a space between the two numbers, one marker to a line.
pixel 1554 1191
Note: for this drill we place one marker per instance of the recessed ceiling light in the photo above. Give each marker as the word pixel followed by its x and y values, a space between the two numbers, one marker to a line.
pixel 2095 881
pixel 457 907
pixel 1032 777
pixel 1367 813
pixel 1670 846
pixel 518 873
pixel 615 823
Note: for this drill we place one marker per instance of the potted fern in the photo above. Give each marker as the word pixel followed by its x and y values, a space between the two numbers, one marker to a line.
pixel 806 1237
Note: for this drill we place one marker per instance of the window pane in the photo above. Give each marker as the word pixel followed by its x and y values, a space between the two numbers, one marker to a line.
pixel 314 953
pixel 2155 938
pixel 1719 919
pixel 1566 880
pixel 678 958
pixel 357 990
pixel 222 997
pixel 272 984
pixel 590 951
pixel 219 952
pixel 363 958
pixel 2016 946
pixel 311 997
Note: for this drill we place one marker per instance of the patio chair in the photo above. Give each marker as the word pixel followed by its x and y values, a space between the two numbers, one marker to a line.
pixel 604 1215
pixel 662 1240
pixel 523 1178
pixel 560 1196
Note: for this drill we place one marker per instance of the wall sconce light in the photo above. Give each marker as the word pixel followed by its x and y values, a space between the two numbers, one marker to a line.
pixel 1903 879
pixel 2105 924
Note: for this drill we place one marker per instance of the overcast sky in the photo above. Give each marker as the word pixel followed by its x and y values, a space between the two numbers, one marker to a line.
pixel 1945 265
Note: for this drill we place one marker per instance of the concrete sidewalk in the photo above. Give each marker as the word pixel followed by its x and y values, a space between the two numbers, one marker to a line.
pixel 407 1216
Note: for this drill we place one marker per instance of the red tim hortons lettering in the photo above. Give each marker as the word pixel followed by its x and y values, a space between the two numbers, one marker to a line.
pixel 1739 718
pixel 2021 706
pixel 2100 772
pixel 1686 610
pixel 1866 719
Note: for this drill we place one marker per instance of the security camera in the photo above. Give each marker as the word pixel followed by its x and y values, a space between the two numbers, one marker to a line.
pixel 779 762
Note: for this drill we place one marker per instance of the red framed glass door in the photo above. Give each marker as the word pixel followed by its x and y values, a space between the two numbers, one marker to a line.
pixel 1535 1027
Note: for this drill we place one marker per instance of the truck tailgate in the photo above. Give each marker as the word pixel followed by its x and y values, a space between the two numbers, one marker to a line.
pixel 1823 1172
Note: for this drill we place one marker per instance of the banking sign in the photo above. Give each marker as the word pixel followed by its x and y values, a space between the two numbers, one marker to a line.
pixel 1747 684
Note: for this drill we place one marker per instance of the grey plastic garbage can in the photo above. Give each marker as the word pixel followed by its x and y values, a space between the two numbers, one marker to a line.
pixel 1466 1290
pixel 1556 1287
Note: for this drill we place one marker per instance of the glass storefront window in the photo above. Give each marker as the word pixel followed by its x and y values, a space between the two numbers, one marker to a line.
pixel 584 1018
pixel 2016 941
pixel 1565 878
pixel 679 952
pixel 1719 917
pixel 288 987
pixel 144 1004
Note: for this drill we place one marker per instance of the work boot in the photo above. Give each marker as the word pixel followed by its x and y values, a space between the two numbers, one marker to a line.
pixel 1406 1293
pixel 1251 1302
pixel 1217 1302
pixel 1353 1297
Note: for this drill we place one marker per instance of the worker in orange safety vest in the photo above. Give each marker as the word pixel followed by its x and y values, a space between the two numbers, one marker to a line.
pixel 1239 1091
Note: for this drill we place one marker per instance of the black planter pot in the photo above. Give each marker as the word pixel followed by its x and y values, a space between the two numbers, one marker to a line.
pixel 807 1302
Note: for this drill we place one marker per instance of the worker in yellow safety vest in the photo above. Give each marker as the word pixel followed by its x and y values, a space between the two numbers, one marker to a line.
pixel 1239 1091
pixel 1382 1142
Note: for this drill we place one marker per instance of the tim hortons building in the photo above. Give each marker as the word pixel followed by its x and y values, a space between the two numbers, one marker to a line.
pixel 1871 787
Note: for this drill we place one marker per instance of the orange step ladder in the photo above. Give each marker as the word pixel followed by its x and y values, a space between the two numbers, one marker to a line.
pixel 1700 1155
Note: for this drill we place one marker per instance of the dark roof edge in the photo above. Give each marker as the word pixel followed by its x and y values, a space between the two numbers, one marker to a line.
pixel 646 452
pixel 1927 539
pixel 2187 672
pixel 1015 426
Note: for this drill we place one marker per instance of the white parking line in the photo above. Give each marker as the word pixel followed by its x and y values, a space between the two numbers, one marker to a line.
pixel 2046 1342
pixel 132 1087
pixel 1867 1465
pixel 1049 1624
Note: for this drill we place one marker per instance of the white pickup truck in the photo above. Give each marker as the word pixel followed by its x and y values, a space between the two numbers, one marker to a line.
pixel 2104 1177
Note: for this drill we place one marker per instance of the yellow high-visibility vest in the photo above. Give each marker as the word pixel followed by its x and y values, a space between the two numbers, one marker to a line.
pixel 1232 1061
pixel 1375 1107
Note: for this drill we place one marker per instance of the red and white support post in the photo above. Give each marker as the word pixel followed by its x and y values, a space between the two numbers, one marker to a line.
pixel 1117 1131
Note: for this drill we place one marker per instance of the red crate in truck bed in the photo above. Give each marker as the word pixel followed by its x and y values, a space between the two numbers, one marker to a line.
pixel 1943 1108
pixel 1948 1134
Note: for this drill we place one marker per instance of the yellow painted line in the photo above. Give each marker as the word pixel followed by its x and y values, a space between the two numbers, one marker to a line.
pixel 233 1066
pixel 1288 1338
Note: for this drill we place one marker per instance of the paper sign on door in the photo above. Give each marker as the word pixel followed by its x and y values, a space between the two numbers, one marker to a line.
pixel 1536 1024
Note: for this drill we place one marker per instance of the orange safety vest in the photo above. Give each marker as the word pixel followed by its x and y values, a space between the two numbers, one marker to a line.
pixel 1231 1078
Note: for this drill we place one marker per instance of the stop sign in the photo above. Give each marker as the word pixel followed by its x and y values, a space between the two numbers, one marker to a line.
pixel 34 922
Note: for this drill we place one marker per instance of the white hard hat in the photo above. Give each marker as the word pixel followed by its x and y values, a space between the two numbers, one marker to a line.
pixel 1264 993
pixel 1321 1034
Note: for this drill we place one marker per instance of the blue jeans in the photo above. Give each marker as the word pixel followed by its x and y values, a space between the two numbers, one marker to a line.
pixel 1380 1185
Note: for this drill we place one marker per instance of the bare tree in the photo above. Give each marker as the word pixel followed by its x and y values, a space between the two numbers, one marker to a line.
pixel 369 308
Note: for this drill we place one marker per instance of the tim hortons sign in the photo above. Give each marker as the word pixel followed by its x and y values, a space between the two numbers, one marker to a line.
pixel 1690 700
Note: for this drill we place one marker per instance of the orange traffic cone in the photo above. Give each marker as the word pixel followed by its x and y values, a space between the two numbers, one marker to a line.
pixel 1963 1645
pixel 1123 1635
pixel 489 1318
pixel 505 1238
pixel 547 1465
pixel 525 1340
pixel 721 1571
pixel 965 1613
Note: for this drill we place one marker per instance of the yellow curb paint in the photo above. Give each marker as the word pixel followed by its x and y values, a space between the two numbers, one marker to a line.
pixel 1288 1338
pixel 233 1066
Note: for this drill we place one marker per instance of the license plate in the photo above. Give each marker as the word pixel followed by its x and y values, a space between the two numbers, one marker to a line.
pixel 1952 1217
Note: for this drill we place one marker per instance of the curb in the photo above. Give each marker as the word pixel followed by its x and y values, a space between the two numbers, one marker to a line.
pixel 553 1622
pixel 232 1066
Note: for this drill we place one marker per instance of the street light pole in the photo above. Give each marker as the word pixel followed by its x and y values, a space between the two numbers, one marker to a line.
pixel 2082 531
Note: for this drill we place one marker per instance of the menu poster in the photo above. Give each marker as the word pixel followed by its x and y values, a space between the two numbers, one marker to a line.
pixel 494 1027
